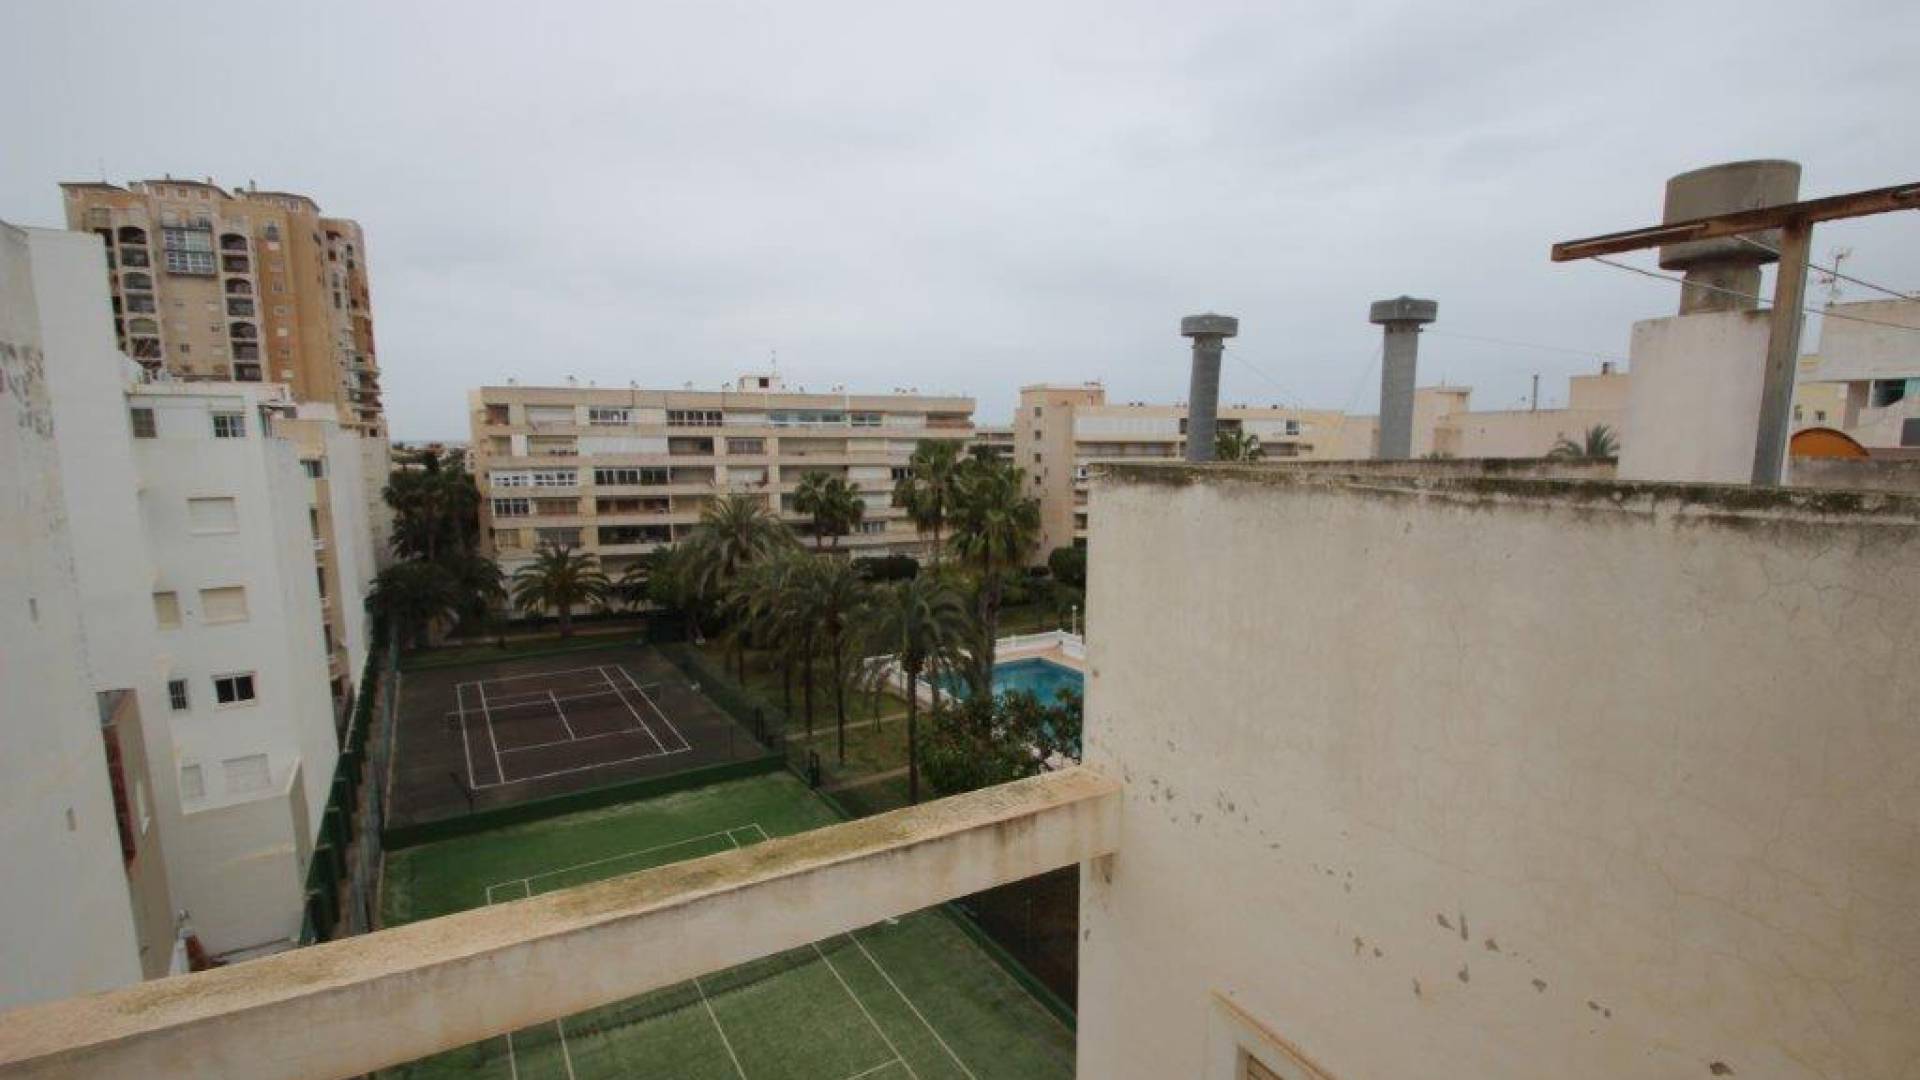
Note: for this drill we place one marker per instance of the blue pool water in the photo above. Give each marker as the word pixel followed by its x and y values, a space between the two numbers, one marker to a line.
pixel 1042 678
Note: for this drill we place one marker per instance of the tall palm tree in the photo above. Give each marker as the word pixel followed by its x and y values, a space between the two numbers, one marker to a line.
pixel 834 505
pixel 479 587
pixel 995 527
pixel 765 609
pixel 835 602
pixel 920 626
pixel 1236 444
pixel 560 578
pixel 735 531
pixel 411 596
pixel 1597 442
pixel 927 490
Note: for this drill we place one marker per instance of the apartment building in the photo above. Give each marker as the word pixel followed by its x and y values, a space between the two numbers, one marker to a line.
pixel 248 286
pixel 1060 431
pixel 1867 376
pixel 208 598
pixel 992 442
pixel 621 472
pixel 88 908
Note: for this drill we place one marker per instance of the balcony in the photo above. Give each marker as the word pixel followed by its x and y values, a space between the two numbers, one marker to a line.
pixel 246 372
pixel 239 308
pixel 233 242
pixel 236 264
pixel 134 257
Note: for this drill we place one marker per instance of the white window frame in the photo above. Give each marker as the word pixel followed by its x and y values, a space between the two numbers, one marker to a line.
pixel 602 416
pixel 517 507
pixel 1233 1037
pixel 253 686
pixel 197 789
pixel 236 426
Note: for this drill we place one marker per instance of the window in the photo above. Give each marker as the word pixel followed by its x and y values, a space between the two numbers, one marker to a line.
pixel 746 446
pixel 556 506
pixel 315 468
pixel 512 507
pixel 506 539
pixel 634 534
pixel 214 514
pixel 246 775
pixel 229 425
pixel 628 477
pixel 870 528
pixel 1796 414
pixel 166 610
pixel 225 604
pixel 608 417
pixel 806 418
pixel 193 785
pixel 320 578
pixel 1819 416
pixel 143 426
pixel 233 689
pixel 272 231
pixel 568 538
pixel 865 419
pixel 693 417
pixel 497 414
pixel 189 251
pixel 177 694
pixel 1036 412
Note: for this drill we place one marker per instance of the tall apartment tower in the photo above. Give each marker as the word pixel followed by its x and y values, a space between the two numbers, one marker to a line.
pixel 246 285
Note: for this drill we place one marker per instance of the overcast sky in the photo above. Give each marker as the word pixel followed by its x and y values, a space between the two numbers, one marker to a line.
pixel 969 197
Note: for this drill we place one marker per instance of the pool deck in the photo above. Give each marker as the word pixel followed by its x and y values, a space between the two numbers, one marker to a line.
pixel 1056 646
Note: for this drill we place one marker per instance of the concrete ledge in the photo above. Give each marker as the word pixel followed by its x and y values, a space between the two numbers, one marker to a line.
pixel 382 999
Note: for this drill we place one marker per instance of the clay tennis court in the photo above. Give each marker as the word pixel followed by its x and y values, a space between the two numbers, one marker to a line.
pixel 500 732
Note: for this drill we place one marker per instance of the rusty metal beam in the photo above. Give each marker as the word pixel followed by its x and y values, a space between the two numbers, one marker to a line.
pixel 1857 204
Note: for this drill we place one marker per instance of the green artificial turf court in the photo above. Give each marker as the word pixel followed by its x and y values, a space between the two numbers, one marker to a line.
pixel 912 999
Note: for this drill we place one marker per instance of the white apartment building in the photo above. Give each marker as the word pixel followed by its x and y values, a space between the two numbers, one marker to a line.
pixel 621 472
pixel 71 918
pixel 1872 370
pixel 196 534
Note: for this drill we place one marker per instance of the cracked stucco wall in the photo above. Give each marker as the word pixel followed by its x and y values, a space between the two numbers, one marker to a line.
pixel 1505 780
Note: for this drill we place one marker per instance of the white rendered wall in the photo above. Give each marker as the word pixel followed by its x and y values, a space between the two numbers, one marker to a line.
pixel 1499 782
pixel 353 536
pixel 242 854
pixel 1694 404
pixel 66 924
pixel 376 461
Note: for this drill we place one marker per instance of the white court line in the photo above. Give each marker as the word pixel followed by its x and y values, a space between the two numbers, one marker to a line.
pixel 861 1005
pixel 547 698
pixel 875 961
pixel 500 769
pixel 566 1056
pixel 459 698
pixel 635 713
pixel 531 878
pixel 581 768
pixel 583 738
pixel 875 1069
pixel 532 675
pixel 724 1041
pixel 563 714
pixel 628 675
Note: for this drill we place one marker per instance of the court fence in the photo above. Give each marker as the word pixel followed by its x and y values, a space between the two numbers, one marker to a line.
pixel 343 872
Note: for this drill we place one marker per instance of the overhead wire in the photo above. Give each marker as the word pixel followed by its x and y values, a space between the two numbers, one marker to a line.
pixel 1833 270
pixel 1825 313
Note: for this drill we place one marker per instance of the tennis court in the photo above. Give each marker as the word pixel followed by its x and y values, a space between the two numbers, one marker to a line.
pixel 911 999
pixel 499 732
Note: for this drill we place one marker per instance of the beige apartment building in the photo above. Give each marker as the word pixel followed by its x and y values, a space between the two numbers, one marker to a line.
pixel 1059 431
pixel 247 285
pixel 621 472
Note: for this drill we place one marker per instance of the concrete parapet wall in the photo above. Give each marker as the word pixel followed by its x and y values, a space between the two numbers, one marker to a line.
pixel 1559 778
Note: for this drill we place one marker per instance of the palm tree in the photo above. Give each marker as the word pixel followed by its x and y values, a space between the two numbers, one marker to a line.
pixel 764 604
pixel 835 602
pixel 918 626
pixel 1598 442
pixel 927 490
pixel 735 531
pixel 834 505
pixel 1236 444
pixel 479 587
pixel 411 596
pixel 436 510
pixel 560 578
pixel 995 526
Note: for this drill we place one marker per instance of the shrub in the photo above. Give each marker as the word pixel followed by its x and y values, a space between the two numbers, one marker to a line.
pixel 1069 565
pixel 888 567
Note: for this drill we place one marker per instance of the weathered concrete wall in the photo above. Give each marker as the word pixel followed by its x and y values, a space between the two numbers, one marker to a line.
pixel 1505 778
pixel 1873 474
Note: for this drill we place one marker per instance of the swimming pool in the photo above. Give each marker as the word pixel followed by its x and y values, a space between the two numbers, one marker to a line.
pixel 1043 679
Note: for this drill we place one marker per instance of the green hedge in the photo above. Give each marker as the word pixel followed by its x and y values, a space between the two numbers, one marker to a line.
pixel 426 832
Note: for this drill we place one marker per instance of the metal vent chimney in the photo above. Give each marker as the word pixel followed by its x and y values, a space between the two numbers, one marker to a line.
pixel 1209 333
